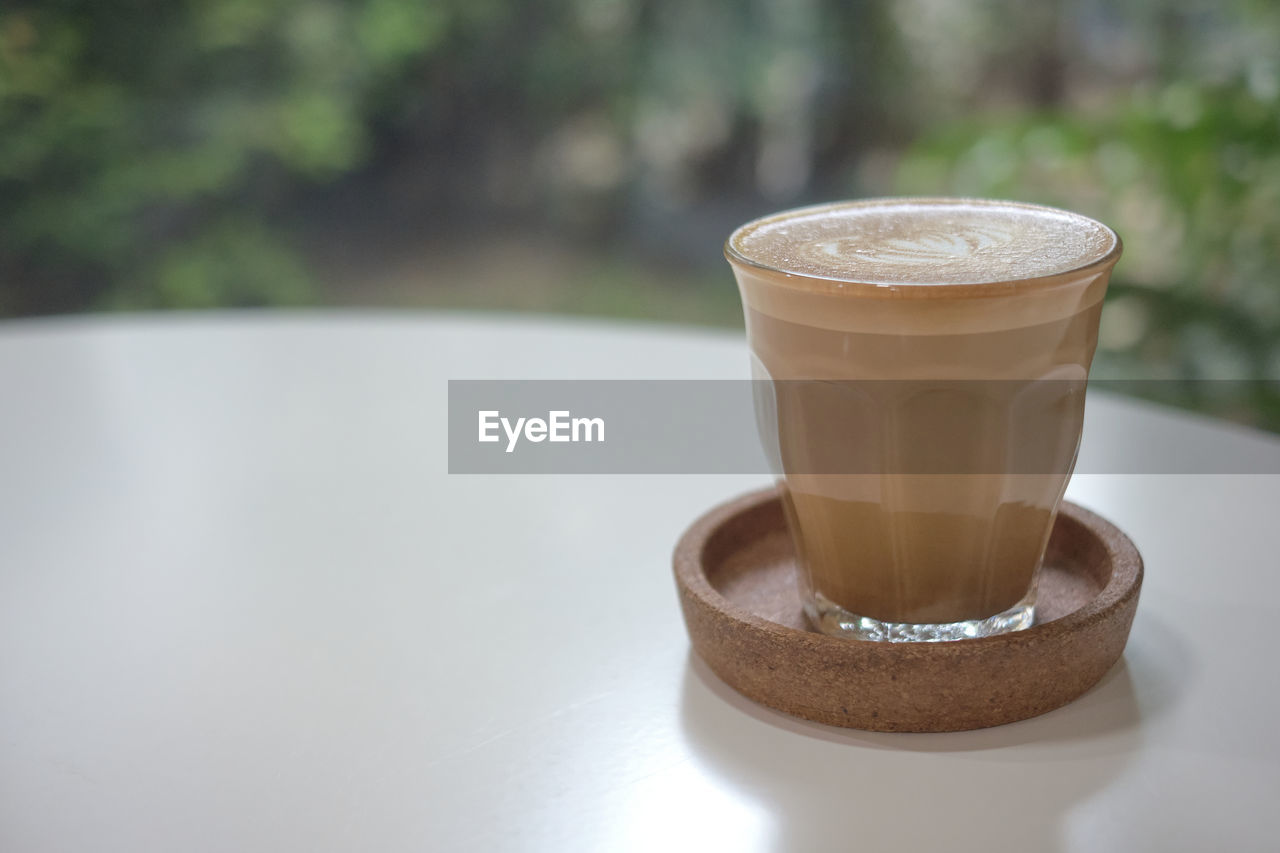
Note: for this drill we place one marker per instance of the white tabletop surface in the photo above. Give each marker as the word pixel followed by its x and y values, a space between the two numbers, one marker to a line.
pixel 243 607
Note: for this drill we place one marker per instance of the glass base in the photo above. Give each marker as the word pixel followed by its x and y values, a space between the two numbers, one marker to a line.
pixel 831 618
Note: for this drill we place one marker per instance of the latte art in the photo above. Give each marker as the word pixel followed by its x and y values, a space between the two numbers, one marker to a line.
pixel 927 247
pixel 924 242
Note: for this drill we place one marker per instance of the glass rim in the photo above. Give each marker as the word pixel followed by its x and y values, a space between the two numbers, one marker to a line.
pixel 735 256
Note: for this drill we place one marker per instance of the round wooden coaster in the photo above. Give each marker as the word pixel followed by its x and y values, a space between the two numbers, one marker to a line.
pixel 735 569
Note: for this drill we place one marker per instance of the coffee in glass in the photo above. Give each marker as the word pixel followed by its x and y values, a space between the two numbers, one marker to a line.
pixel 922 367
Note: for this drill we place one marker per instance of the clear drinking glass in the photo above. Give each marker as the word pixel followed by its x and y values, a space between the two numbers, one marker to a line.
pixel 922 367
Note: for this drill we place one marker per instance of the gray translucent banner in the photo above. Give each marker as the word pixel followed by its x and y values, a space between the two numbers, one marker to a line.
pixel 810 427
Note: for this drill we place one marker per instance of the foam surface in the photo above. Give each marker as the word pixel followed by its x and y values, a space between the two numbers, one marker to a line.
pixel 924 241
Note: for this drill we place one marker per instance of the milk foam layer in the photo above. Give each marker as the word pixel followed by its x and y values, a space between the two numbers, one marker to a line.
pixel 924 242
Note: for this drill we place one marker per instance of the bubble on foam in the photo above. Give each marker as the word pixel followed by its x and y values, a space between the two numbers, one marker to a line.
pixel 924 241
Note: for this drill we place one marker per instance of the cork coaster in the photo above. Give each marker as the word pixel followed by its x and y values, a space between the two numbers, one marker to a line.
pixel 735 569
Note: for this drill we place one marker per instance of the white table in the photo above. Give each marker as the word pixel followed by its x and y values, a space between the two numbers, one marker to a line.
pixel 244 608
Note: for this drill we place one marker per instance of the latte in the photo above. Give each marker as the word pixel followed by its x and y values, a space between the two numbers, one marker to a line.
pixel 884 326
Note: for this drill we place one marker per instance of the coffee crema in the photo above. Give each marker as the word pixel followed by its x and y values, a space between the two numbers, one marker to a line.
pixel 924 242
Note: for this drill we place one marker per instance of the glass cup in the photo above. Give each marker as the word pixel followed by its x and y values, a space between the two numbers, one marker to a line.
pixel 921 367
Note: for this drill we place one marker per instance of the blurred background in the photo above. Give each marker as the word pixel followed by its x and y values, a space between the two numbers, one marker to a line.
pixel 590 156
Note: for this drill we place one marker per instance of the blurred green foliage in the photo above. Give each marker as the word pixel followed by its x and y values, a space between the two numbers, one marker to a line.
pixel 142 142
pixel 144 146
pixel 182 154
